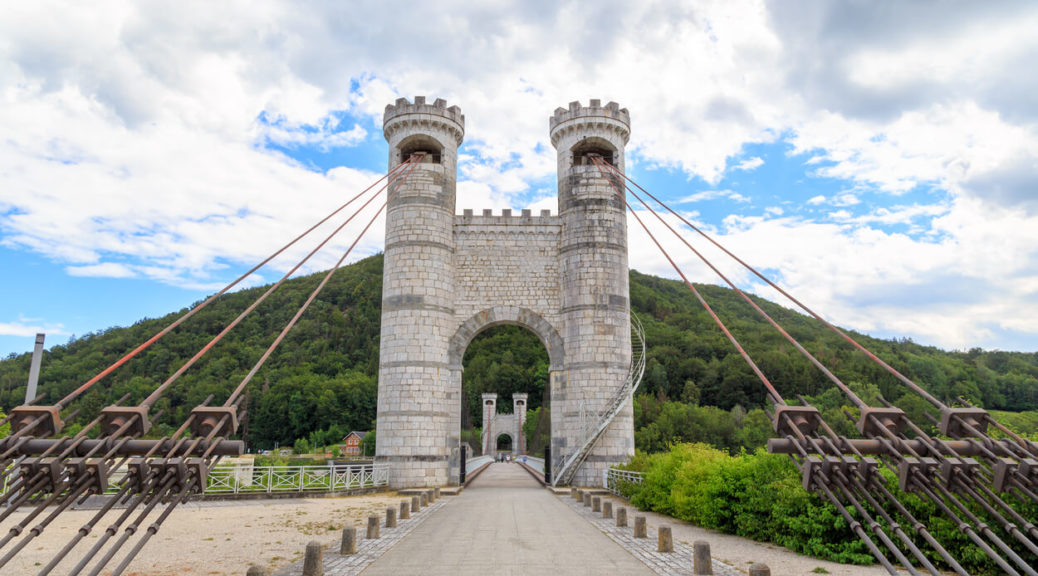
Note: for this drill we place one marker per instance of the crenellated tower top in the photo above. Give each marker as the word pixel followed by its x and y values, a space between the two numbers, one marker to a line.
pixel 610 118
pixel 422 117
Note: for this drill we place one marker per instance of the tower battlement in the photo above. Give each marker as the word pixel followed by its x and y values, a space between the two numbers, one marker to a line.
pixel 595 113
pixel 403 113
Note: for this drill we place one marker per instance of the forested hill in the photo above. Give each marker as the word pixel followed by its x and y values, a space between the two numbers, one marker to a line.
pixel 323 377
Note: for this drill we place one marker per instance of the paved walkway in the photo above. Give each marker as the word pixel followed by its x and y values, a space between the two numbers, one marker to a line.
pixel 506 523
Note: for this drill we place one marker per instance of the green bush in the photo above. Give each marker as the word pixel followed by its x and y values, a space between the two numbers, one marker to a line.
pixel 757 496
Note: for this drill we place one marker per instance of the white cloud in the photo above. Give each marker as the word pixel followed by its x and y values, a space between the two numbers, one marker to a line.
pixel 134 133
pixel 712 195
pixel 104 270
pixel 28 327
pixel 749 164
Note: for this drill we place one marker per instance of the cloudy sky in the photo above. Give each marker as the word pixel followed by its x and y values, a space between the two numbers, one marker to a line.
pixel 878 159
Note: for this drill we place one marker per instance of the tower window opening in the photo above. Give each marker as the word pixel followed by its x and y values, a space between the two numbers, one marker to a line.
pixel 583 154
pixel 428 156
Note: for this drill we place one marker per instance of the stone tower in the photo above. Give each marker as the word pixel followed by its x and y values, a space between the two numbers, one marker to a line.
pixel 447 277
pixel 595 295
pixel 415 403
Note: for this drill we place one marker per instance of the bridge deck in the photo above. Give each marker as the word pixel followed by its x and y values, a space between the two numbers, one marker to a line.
pixel 505 523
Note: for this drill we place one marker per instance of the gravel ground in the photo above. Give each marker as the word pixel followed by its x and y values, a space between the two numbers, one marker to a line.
pixel 224 538
pixel 212 538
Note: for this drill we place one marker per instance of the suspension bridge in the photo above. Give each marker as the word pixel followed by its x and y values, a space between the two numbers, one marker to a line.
pixel 564 277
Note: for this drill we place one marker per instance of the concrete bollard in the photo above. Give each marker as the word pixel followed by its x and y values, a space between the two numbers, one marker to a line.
pixel 431 496
pixel 587 500
pixel 621 517
pixel 640 531
pixel 405 510
pixel 760 570
pixel 574 493
pixel 436 493
pixel 313 562
pixel 256 571
pixel 664 539
pixel 607 509
pixel 425 499
pixel 373 528
pixel 416 504
pixel 701 563
pixel 391 517
pixel 596 504
pixel 349 541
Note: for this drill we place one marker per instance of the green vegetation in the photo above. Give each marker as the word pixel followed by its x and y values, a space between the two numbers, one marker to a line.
pixel 321 382
pixel 759 496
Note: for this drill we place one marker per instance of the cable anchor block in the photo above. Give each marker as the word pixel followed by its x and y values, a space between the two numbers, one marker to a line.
pixel 23 416
pixel 95 468
pixel 50 468
pixel 874 420
pixel 115 417
pixel 907 468
pixel 954 421
pixel 221 419
pixel 805 419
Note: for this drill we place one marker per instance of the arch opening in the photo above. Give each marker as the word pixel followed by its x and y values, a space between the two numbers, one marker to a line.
pixel 504 443
pixel 588 147
pixel 429 147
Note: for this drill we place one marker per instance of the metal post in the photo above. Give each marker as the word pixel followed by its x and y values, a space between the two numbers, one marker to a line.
pixel 461 466
pixel 547 465
pixel 34 369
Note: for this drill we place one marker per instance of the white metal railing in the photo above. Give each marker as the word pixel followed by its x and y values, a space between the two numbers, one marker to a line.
pixel 248 479
pixel 240 479
pixel 616 479
pixel 476 461
pixel 535 463
pixel 594 423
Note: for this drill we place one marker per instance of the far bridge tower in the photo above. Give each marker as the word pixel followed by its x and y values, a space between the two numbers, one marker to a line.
pixel 448 276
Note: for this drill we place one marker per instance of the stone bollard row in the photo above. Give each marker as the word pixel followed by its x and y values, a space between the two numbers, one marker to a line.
pixel 621 517
pixel 575 493
pixel 416 504
pixel 760 570
pixel 425 499
pixel 587 499
pixel 348 545
pixel 664 539
pixel 373 528
pixel 607 509
pixel 256 571
pixel 701 563
pixel 313 562
pixel 596 504
pixel 405 510
pixel 639 527
pixel 391 517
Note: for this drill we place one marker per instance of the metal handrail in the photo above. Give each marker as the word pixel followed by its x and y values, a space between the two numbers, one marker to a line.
pixel 616 478
pixel 602 420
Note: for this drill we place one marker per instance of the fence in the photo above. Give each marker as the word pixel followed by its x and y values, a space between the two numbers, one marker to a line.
pixel 247 479
pixel 620 482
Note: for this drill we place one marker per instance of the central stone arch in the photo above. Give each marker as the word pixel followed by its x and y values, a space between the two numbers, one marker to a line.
pixel 494 423
pixel 448 276
pixel 502 315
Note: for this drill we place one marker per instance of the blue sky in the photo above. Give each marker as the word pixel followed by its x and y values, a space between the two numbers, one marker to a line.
pixel 880 162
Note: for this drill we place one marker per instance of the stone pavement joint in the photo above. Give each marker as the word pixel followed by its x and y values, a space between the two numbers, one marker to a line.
pixel 368 550
pixel 676 563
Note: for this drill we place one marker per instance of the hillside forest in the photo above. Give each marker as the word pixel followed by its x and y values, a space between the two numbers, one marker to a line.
pixel 322 381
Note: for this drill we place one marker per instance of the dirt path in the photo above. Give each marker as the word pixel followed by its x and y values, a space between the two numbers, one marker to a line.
pixel 214 538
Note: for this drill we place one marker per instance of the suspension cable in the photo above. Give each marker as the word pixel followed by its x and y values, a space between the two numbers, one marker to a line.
pixel 908 382
pixel 83 388
pixel 157 393
pixel 772 392
pixel 832 377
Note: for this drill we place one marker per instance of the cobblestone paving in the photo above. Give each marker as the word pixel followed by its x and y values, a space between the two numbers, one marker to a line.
pixel 368 550
pixel 676 563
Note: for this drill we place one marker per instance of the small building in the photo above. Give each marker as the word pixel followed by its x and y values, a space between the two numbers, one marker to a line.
pixel 351 444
